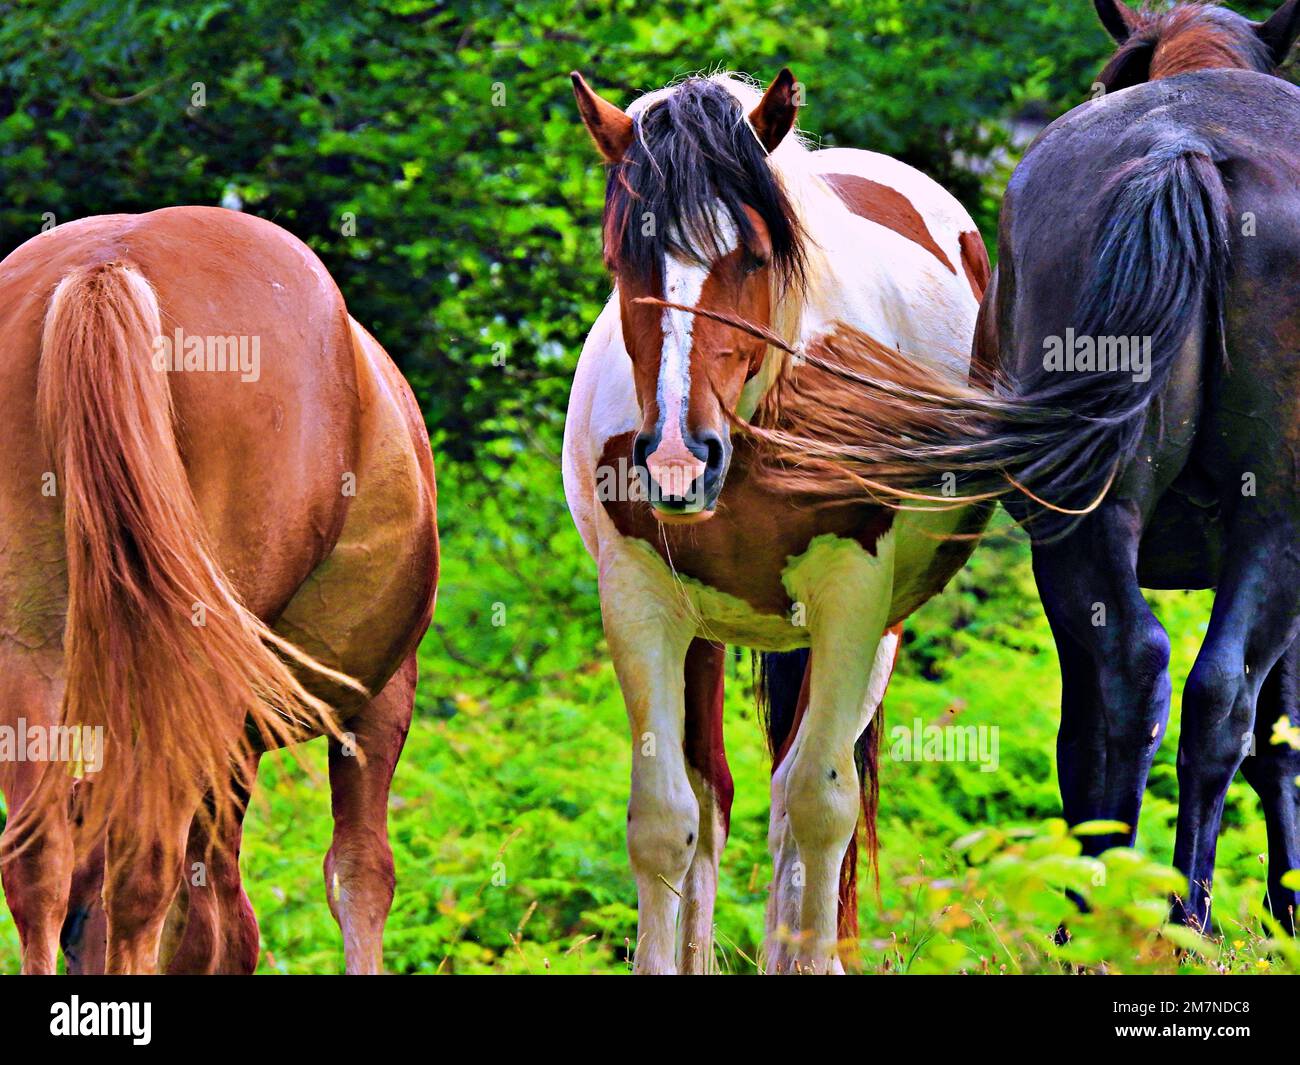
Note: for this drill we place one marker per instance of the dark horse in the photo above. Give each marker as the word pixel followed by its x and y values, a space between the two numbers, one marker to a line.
pixel 1149 281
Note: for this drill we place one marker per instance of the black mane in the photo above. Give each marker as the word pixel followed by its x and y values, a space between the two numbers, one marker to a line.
pixel 693 149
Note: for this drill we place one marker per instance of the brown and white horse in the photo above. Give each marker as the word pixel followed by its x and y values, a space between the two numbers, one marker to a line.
pixel 180 523
pixel 732 244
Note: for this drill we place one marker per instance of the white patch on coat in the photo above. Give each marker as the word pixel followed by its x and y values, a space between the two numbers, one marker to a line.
pixel 683 283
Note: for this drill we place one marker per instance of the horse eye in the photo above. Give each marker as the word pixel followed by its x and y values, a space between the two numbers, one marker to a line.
pixel 754 263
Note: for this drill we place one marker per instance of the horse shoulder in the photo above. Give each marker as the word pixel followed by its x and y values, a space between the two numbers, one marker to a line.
pixel 602 405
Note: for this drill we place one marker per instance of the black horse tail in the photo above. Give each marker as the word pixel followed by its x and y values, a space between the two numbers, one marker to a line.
pixel 1158 270
pixel 782 692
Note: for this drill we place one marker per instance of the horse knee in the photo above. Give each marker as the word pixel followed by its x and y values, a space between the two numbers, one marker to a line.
pixel 351 870
pixel 1218 715
pixel 662 832
pixel 1142 660
pixel 823 802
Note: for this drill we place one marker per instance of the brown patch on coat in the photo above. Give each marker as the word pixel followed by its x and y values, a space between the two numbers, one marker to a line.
pixel 886 207
pixel 702 741
pixel 745 547
pixel 975 261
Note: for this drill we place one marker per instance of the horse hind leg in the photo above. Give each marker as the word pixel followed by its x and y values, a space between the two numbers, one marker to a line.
pixel 359 872
pixel 37 877
pixel 216 930
pixel 706 766
pixel 1256 617
pixel 36 884
pixel 142 875
pixel 1273 769
pixel 1114 658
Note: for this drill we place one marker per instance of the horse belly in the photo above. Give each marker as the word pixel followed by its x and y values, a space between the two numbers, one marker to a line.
pixel 1182 546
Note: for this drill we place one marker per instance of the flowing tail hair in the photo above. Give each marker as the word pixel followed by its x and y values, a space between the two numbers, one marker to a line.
pixel 849 416
pixel 159 651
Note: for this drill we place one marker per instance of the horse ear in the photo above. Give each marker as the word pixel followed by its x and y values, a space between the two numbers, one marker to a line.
pixel 1119 19
pixel 609 127
pixel 774 116
pixel 1280 31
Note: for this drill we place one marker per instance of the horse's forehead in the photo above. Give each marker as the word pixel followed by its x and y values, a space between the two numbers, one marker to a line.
pixel 724 230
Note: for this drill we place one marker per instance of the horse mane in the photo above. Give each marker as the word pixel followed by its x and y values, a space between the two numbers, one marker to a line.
pixel 693 148
pixel 1187 37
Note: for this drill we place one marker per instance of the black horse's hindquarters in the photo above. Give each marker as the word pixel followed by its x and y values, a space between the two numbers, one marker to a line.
pixel 1208 491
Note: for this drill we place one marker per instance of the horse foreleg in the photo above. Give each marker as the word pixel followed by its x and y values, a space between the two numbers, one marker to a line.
pixel 649 630
pixel 785 896
pixel 359 872
pixel 847 594
pixel 710 778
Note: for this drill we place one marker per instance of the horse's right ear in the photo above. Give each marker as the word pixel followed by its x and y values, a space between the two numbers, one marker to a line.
pixel 609 127
pixel 1119 19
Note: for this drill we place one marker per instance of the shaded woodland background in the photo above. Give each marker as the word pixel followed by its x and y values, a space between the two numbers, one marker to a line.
pixel 431 155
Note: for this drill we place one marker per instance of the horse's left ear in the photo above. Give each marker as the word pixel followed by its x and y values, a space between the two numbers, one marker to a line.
pixel 1280 31
pixel 774 116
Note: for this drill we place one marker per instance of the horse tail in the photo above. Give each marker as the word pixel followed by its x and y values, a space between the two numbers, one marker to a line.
pixel 860 418
pixel 159 651
pixel 783 687
pixel 1158 270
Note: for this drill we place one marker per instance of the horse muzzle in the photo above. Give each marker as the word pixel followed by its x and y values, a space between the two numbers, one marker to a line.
pixel 682 482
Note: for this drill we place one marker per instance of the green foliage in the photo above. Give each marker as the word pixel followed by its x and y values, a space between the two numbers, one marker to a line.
pixel 447 132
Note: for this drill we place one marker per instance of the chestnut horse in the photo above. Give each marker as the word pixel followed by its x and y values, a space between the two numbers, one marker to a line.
pixel 218 529
pixel 740 256
pixel 1168 213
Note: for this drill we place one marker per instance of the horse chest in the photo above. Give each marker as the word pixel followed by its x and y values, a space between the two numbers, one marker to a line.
pixel 733 567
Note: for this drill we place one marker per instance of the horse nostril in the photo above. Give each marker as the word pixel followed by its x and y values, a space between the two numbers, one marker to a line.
pixel 714 452
pixel 640 448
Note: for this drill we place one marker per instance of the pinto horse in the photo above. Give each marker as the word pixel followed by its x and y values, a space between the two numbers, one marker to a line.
pixel 1166 215
pixel 203 556
pixel 739 257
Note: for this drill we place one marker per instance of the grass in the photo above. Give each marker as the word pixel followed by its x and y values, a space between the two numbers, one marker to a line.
pixel 507 815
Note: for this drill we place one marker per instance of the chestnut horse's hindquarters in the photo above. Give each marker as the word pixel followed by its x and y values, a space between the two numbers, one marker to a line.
pixel 159 651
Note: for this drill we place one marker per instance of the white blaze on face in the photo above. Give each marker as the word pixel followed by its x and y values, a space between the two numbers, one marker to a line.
pixel 673 465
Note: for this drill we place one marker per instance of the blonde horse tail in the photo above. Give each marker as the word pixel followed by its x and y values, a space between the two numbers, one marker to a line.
pixel 162 659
